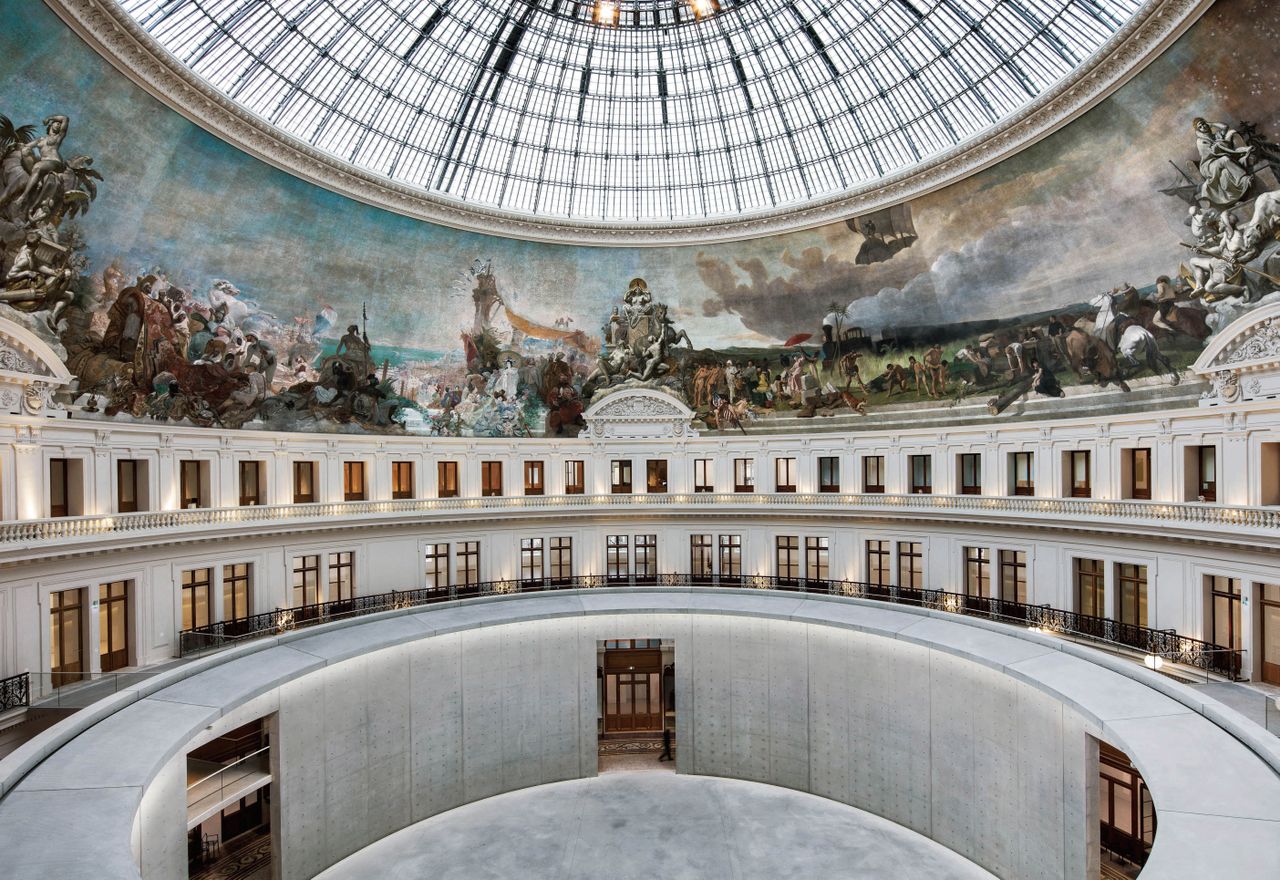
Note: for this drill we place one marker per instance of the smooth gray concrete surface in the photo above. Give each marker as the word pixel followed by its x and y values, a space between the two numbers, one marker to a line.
pixel 644 825
pixel 952 726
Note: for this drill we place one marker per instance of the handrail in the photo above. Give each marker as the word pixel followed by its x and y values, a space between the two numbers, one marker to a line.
pixel 25 532
pixel 227 767
pixel 15 691
pixel 1166 644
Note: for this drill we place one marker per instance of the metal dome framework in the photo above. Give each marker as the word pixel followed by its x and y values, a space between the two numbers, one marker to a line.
pixel 663 112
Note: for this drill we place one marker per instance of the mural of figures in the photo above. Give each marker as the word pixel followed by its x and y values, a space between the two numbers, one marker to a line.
pixel 184 281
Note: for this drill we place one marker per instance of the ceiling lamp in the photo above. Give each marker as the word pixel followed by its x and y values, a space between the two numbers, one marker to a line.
pixel 702 8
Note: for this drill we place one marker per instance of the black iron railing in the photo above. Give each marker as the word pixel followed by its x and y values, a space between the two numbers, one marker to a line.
pixel 15 691
pixel 1167 644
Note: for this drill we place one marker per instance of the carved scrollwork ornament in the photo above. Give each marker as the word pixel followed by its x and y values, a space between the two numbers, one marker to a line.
pixel 1224 387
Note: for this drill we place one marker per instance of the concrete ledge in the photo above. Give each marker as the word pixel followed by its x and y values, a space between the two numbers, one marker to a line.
pixel 1214 776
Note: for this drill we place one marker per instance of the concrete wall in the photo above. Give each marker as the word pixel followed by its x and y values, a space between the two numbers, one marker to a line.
pixel 961 753
pixel 375 743
pixel 989 767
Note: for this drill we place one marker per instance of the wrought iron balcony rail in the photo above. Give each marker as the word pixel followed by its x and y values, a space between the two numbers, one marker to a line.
pixel 15 691
pixel 54 530
pixel 1168 645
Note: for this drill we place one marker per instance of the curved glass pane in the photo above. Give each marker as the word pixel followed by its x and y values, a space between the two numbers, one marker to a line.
pixel 633 110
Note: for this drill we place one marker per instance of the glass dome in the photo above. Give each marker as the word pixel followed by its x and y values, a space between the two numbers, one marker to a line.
pixel 632 111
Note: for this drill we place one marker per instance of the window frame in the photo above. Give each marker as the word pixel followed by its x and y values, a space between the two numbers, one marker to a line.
pixel 829 473
pixel 403 484
pixel 535 482
pixel 784 474
pixel 621 475
pixel 744 475
pixel 873 466
pixel 920 478
pixel 448 484
pixel 491 478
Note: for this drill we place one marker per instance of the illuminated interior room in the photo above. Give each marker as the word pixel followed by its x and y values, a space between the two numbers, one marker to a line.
pixel 710 439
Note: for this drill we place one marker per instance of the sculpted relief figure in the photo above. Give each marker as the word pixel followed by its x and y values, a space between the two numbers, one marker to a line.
pixel 1223 156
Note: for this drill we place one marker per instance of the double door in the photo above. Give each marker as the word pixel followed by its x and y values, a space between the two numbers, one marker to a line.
pixel 633 691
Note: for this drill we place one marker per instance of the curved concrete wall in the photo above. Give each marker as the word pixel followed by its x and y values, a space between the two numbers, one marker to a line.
pixel 973 734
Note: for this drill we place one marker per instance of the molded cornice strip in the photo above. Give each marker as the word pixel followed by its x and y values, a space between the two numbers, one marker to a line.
pixel 119 39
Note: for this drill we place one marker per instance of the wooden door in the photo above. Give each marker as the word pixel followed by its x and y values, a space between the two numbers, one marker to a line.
pixel 632 690
pixel 66 654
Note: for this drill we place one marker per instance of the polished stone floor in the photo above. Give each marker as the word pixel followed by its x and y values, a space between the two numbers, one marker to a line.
pixel 655 825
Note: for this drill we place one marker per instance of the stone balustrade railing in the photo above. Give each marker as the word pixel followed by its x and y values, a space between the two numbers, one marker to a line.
pixel 1077 511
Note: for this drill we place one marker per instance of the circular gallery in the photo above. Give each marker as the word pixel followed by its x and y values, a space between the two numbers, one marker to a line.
pixel 575 438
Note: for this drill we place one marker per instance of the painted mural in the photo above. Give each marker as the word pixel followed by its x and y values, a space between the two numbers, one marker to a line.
pixel 186 282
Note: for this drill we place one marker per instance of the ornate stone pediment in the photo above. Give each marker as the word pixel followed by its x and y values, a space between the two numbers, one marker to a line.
pixel 638 414
pixel 30 372
pixel 1242 362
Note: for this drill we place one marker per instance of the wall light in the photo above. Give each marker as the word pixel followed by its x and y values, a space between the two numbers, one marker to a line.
pixel 1153 661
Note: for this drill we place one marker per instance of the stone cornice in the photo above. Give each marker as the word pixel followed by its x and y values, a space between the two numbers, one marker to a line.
pixel 119 39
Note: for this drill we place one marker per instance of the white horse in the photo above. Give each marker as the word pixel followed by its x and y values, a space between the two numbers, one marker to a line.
pixel 1138 346
pixel 1106 305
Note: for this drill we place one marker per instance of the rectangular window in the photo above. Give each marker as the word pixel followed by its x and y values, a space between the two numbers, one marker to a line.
pixel 1224 611
pixel 1021 473
pixel 1079 474
pixel 703 475
pixel 436 557
pixel 129 487
pixel 878 558
pixel 646 558
pixel 977 571
pixel 921 474
pixel 446 479
pixel 491 479
pixel 1206 468
pixel 618 557
pixel 1013 576
pixel 236 585
pixel 531 560
pixel 197 597
pixel 59 487
pixel 911 565
pixel 468 553
pixel 66 631
pixel 701 559
pixel 353 484
pixel 817 560
pixel 873 474
pixel 1131 593
pixel 561 560
pixel 787 559
pixel 828 473
pixel 1138 463
pixel 342 576
pixel 620 476
pixel 575 481
pixel 306 580
pixel 655 480
pixel 251 483
pixel 1090 586
pixel 190 476
pixel 970 473
pixel 730 557
pixel 744 475
pixel 784 475
pixel 402 483
pixel 534 483
pixel 113 625
pixel 304 482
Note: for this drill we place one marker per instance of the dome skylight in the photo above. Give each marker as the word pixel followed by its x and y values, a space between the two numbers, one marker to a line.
pixel 630 111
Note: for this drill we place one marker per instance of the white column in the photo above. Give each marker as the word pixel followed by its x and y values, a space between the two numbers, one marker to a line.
pixel 28 481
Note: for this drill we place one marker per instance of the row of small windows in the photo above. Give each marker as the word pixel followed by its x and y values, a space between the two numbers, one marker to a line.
pixel 66 478
pixel 227 590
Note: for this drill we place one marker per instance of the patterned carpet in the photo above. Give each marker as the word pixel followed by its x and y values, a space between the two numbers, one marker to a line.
pixel 630 746
pixel 252 862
